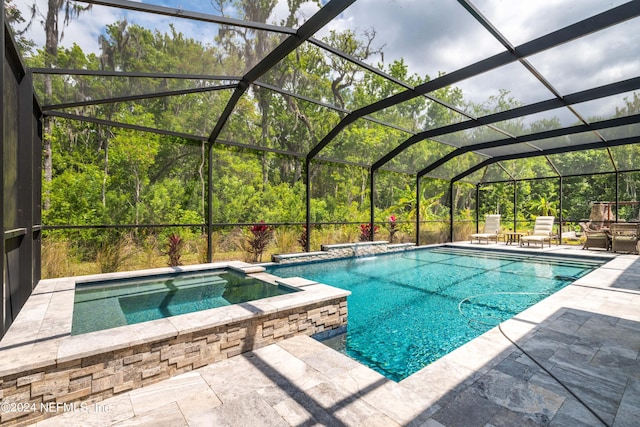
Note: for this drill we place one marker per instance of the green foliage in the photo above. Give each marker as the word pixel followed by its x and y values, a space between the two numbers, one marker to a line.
pixel 543 207
pixel 109 175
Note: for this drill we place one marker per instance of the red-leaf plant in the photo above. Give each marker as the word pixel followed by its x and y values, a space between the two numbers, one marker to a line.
pixel 175 250
pixel 259 237
pixel 365 232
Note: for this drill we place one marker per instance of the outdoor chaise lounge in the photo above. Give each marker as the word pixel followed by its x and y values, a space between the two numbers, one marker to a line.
pixel 624 237
pixel 491 229
pixel 595 238
pixel 542 231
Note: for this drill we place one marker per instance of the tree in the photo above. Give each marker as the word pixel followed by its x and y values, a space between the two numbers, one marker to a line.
pixel 53 36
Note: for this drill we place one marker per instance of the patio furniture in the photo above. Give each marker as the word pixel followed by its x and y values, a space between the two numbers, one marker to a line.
pixel 511 237
pixel 624 237
pixel 491 229
pixel 542 232
pixel 595 238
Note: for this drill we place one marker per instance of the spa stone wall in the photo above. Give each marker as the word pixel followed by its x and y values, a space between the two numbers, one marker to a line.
pixel 45 392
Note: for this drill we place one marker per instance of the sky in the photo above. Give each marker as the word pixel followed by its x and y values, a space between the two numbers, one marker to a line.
pixel 434 36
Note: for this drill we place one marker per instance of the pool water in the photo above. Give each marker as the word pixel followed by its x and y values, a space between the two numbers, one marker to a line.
pixel 108 304
pixel 409 309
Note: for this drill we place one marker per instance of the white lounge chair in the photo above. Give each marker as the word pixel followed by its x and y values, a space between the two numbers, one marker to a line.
pixel 491 229
pixel 542 231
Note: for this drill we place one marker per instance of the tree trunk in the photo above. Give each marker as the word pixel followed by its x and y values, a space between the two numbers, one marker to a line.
pixel 106 173
pixel 51 50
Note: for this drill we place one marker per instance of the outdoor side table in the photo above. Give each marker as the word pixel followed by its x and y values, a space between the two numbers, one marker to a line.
pixel 511 237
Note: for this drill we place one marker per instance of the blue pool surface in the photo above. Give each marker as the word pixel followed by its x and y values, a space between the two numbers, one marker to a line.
pixel 108 304
pixel 409 309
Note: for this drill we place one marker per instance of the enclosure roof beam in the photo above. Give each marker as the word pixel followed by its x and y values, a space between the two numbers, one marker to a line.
pixel 557 150
pixel 306 30
pixel 587 26
pixel 326 105
pixel 185 14
pixel 604 124
pixel 525 62
pixel 134 74
pixel 192 139
pixel 386 76
pixel 538 107
pixel 197 140
pixel 137 97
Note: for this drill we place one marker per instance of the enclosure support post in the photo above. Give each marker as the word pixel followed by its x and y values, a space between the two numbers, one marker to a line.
pixel 451 211
pixel 617 194
pixel 210 203
pixel 371 203
pixel 307 178
pixel 560 212
pixel 515 205
pixel 418 211
pixel 477 207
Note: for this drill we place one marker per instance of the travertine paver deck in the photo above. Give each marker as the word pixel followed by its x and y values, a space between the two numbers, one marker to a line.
pixel 586 336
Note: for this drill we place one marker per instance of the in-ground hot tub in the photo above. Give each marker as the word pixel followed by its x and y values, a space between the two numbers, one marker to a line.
pixel 105 304
pixel 43 364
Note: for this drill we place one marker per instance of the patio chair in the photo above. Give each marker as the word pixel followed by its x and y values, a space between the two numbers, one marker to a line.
pixel 624 237
pixel 595 238
pixel 491 229
pixel 542 231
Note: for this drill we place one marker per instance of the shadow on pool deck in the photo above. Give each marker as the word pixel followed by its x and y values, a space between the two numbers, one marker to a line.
pixel 587 336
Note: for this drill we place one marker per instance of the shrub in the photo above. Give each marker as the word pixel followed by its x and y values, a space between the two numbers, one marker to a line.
pixel 392 226
pixel 366 233
pixel 259 237
pixel 56 258
pixel 112 254
pixel 174 250
pixel 302 238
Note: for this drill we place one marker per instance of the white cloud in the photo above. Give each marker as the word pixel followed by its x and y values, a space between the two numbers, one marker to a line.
pixel 83 30
pixel 432 36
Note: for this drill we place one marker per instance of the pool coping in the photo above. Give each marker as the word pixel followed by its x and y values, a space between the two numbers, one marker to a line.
pixel 41 336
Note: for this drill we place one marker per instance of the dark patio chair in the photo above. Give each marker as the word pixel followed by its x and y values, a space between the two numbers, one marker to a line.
pixel 595 238
pixel 624 237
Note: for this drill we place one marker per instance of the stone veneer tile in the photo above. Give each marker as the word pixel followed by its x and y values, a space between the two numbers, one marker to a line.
pixel 85 345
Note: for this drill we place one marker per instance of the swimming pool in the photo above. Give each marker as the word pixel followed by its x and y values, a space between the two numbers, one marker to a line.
pixel 112 303
pixel 409 309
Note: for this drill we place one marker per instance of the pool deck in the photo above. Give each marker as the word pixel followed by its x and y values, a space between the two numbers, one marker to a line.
pixel 559 362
